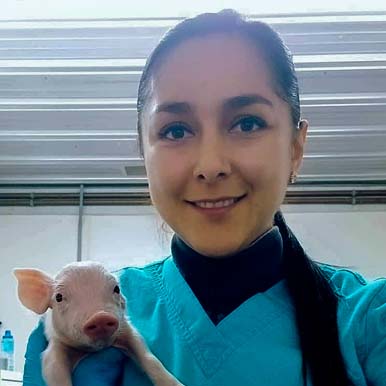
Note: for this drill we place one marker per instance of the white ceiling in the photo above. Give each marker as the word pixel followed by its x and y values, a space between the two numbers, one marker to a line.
pixel 68 93
pixel 64 9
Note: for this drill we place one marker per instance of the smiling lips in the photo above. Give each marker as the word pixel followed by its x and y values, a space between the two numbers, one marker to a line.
pixel 217 203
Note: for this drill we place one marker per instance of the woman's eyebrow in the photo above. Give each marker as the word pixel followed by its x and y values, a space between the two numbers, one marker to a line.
pixel 232 103
pixel 173 107
pixel 241 101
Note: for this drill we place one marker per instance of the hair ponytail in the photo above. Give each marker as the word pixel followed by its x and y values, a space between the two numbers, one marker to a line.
pixel 316 313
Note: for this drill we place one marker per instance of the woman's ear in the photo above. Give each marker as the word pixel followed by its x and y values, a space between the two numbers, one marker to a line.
pixel 298 145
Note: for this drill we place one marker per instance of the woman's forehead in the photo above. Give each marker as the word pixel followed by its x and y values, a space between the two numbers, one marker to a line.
pixel 216 67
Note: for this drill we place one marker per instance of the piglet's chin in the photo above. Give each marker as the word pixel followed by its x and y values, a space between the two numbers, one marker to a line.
pixel 100 344
pixel 94 345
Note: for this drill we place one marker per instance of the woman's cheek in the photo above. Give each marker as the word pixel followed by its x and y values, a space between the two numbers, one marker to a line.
pixel 167 175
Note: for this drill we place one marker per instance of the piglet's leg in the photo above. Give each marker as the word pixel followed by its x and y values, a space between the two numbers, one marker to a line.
pixel 56 365
pixel 132 343
pixel 58 362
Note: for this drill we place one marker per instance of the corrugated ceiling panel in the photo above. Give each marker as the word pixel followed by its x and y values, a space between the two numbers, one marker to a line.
pixel 68 92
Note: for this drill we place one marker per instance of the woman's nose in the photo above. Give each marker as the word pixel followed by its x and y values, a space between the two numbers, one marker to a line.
pixel 211 164
pixel 211 177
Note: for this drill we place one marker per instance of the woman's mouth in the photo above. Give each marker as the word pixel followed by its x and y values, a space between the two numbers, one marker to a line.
pixel 216 207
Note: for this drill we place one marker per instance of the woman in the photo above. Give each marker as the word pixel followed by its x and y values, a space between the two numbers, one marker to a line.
pixel 238 302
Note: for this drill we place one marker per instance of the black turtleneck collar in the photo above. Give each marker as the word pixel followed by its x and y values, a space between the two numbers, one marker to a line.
pixel 222 284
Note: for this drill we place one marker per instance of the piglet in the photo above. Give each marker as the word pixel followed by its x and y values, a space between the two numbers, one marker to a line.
pixel 85 312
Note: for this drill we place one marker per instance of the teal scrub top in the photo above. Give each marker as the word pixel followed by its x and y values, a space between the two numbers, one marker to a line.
pixel 258 343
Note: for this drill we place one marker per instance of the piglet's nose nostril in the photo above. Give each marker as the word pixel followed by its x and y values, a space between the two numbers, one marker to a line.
pixel 101 326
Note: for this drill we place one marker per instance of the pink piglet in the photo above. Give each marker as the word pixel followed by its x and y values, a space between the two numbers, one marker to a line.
pixel 85 312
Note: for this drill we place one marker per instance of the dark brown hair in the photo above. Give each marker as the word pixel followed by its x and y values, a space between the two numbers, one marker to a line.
pixel 314 299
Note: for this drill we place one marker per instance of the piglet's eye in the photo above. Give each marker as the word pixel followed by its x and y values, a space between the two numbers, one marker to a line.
pixel 116 289
pixel 59 297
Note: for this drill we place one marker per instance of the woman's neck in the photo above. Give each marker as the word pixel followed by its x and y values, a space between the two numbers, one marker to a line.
pixel 221 285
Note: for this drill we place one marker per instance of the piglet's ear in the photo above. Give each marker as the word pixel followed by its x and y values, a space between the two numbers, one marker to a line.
pixel 34 289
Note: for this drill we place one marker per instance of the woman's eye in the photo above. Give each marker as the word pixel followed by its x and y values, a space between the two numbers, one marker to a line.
pixel 175 132
pixel 250 123
pixel 117 289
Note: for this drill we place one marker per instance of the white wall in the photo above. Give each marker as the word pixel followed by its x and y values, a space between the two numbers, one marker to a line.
pixel 46 238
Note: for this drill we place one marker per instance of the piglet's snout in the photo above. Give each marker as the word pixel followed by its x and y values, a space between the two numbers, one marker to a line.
pixel 101 325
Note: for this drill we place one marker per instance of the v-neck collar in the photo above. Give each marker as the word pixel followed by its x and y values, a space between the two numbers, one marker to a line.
pixel 212 344
pixel 223 284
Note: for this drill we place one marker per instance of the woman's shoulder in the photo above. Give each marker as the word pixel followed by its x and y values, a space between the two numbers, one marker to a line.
pixel 141 283
pixel 141 273
pixel 351 285
pixel 361 320
pixel 358 295
pixel 362 302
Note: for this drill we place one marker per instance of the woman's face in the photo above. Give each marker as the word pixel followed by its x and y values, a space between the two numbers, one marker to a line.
pixel 214 128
